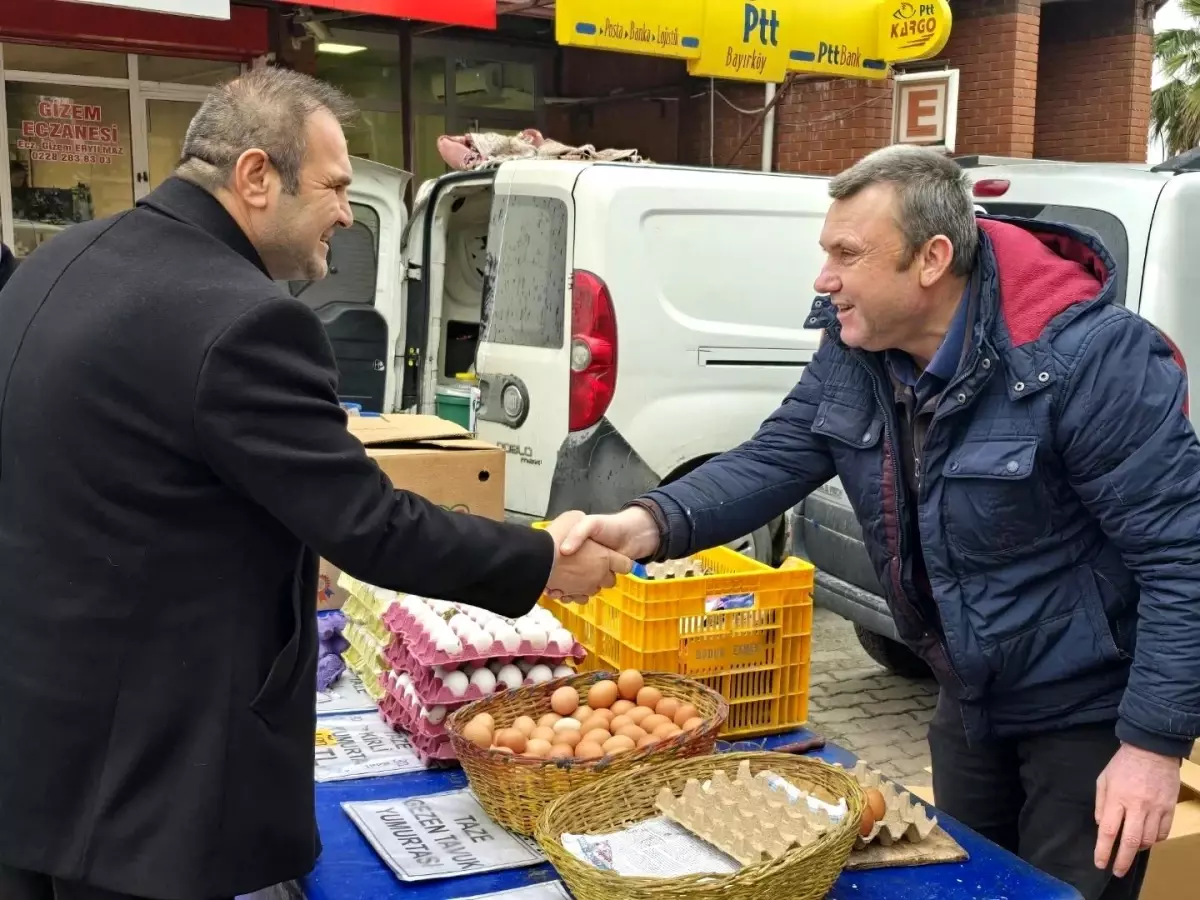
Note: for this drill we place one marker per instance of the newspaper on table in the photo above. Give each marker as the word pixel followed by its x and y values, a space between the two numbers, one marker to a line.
pixel 543 890
pixel 346 695
pixel 440 836
pixel 653 848
pixel 361 746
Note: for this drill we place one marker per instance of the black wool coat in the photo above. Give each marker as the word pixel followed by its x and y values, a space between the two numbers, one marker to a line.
pixel 173 460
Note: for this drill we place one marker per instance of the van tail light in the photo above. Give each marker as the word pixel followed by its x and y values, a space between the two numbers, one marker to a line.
pixel 991 187
pixel 593 350
pixel 1182 363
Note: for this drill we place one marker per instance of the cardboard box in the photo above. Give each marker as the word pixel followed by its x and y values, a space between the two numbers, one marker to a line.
pixel 1176 861
pixel 429 456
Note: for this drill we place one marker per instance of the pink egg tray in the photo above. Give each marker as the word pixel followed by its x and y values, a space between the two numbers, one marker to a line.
pixel 410 714
pixel 430 688
pixel 431 750
pixel 403 626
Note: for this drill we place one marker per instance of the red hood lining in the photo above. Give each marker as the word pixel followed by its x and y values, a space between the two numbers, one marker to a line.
pixel 1040 275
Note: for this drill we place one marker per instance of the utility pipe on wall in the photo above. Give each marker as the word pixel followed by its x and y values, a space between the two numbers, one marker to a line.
pixel 768 154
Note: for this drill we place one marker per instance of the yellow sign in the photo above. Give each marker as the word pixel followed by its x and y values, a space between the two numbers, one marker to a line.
pixel 325 738
pixel 667 28
pixel 764 40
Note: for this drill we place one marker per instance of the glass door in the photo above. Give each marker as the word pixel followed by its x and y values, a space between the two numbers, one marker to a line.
pixel 165 120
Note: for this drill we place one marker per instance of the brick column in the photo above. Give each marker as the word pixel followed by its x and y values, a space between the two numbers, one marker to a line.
pixel 1094 81
pixel 994 45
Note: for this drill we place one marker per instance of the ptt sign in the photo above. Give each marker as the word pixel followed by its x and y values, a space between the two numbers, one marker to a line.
pixel 747 41
pixel 764 21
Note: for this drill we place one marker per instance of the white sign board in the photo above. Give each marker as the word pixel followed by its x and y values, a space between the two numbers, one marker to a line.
pixel 544 890
pixel 440 836
pixel 361 746
pixel 202 9
pixel 925 109
pixel 346 695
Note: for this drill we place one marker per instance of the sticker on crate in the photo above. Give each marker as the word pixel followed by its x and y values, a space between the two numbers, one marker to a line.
pixel 361 746
pixel 440 836
pixel 346 695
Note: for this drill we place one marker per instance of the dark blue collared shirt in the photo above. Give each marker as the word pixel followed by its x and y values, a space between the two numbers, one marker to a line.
pixel 944 365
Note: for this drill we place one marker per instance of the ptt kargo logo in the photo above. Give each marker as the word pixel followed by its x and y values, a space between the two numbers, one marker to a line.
pixel 905 11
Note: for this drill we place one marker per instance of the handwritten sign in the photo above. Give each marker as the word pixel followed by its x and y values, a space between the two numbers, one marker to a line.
pixel 361 746
pixel 346 695
pixel 762 40
pixel 440 836
pixel 65 131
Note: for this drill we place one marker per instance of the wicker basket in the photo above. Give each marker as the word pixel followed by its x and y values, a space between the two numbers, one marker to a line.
pixel 803 873
pixel 514 790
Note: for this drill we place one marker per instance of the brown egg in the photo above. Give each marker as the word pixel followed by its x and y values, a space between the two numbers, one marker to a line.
pixel 639 713
pixel 649 697
pixel 537 747
pixel 542 733
pixel 602 695
pixel 502 750
pixel 596 736
pixel 619 744
pixel 693 724
pixel 486 720
pixel 593 723
pixel 622 706
pixel 478 733
pixel 548 720
pixel 561 751
pixel 868 821
pixel 685 713
pixel 876 802
pixel 565 701
pixel 630 731
pixel 525 725
pixel 606 714
pixel 668 706
pixel 511 738
pixel 582 713
pixel 629 683
pixel 568 739
pixel 620 722
pixel 648 741
pixel 650 723
pixel 588 750
pixel 667 731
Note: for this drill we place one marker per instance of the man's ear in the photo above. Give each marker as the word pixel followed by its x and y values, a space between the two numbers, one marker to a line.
pixel 253 177
pixel 934 259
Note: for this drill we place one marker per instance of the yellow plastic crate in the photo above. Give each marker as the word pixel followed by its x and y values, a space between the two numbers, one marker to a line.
pixel 757 658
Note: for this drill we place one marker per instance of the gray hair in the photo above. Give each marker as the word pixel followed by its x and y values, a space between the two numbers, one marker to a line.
pixel 933 193
pixel 265 109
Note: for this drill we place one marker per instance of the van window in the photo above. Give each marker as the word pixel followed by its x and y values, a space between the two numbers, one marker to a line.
pixel 1103 224
pixel 524 290
pixel 353 265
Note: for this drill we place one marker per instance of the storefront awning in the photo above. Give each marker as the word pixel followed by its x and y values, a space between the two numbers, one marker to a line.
pixel 468 13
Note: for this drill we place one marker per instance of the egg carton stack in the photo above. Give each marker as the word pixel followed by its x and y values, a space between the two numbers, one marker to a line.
pixel 365 634
pixel 444 655
pixel 896 815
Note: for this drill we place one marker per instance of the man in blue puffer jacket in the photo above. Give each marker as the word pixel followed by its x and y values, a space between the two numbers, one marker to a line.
pixel 1017 450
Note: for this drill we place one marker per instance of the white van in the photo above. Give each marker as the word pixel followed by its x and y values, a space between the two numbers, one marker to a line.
pixel 638 319
pixel 1141 215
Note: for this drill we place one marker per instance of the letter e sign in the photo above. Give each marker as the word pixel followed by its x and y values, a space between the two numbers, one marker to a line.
pixel 925 108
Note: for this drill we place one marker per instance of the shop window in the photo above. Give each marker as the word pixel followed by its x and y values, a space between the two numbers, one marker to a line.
pixel 366 65
pixel 178 70
pixel 69 157
pixel 167 122
pixel 64 61
pixel 353 265
pixel 494 85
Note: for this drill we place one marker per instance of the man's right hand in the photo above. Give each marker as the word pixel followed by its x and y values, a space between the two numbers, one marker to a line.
pixel 632 532
pixel 588 568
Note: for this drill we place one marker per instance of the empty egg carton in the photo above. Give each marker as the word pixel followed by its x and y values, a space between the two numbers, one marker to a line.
pixel 906 818
pixel 744 818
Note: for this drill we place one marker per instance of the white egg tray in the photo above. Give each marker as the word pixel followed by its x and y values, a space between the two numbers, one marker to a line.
pixel 421 718
pixel 430 748
pixel 432 689
pixel 423 649
pixel 745 818
pixel 906 818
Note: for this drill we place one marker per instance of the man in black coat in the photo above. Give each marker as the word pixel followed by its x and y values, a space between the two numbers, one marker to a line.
pixel 8 264
pixel 173 460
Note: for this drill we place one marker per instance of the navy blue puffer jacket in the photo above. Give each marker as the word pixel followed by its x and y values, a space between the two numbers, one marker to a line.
pixel 1059 509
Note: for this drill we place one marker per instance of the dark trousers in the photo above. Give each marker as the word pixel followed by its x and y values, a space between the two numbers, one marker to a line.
pixel 16 884
pixel 1035 797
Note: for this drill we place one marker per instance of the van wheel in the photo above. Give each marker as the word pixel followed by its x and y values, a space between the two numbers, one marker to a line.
pixel 892 655
pixel 759 545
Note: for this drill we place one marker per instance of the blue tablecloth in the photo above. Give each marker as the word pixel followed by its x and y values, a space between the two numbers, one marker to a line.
pixel 349 869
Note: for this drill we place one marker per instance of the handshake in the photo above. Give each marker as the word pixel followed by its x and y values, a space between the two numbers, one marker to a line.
pixel 590 551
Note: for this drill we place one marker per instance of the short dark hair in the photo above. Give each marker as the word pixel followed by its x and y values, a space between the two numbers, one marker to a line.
pixel 933 193
pixel 265 109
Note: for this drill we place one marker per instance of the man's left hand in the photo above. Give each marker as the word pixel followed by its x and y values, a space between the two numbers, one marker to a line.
pixel 1135 798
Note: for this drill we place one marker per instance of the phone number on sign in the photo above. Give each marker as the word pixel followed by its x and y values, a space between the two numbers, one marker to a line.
pixel 93 159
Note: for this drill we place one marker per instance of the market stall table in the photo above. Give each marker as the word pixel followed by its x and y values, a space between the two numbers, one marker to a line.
pixel 349 868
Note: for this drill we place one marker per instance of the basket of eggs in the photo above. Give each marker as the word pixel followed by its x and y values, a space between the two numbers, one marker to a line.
pixel 523 748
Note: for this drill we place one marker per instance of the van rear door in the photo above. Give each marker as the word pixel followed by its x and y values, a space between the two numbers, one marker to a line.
pixel 523 361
